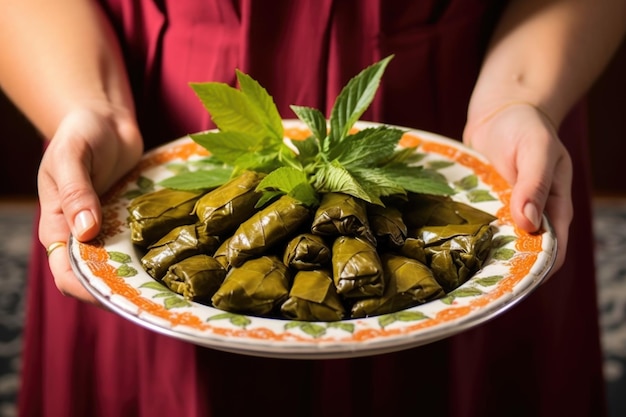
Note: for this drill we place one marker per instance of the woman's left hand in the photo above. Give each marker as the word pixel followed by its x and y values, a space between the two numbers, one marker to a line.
pixel 522 144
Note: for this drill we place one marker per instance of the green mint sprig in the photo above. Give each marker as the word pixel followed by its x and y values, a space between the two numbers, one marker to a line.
pixel 367 164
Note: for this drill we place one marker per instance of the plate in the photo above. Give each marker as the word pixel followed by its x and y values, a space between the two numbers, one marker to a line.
pixel 109 267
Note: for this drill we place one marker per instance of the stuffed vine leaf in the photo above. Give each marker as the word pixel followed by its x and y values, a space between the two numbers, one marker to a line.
pixel 221 254
pixel 342 215
pixel 180 243
pixel 259 286
pixel 407 283
pixel 153 215
pixel 313 297
pixel 307 251
pixel 456 252
pixel 414 248
pixel 435 210
pixel 357 270
pixel 224 208
pixel 266 228
pixel 387 225
pixel 197 278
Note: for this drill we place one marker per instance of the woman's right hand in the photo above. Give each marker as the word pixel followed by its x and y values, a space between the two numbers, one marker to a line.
pixel 93 147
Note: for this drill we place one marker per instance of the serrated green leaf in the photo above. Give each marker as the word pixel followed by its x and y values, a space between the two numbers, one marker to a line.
pixel 306 194
pixel 119 257
pixel 198 180
pixel 353 100
pixel 418 179
pixel 287 157
pixel 333 177
pixel 264 160
pixel 313 118
pixel 290 181
pixel 377 183
pixel 266 108
pixel 266 197
pixel 477 196
pixel 231 110
pixel 467 183
pixel 308 150
pixel 228 146
pixel 367 147
pixel 403 156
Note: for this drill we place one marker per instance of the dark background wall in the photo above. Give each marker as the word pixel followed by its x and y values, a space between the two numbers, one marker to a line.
pixel 20 146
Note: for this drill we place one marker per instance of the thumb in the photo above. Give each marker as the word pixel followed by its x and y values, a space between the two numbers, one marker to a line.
pixel 68 200
pixel 543 184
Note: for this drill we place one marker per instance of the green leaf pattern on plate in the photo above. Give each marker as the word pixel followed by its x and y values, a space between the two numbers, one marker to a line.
pixel 236 320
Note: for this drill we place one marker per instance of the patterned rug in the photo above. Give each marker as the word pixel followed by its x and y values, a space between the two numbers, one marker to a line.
pixel 610 231
pixel 610 227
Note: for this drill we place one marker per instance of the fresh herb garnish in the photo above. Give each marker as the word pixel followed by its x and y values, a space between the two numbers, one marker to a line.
pixel 366 164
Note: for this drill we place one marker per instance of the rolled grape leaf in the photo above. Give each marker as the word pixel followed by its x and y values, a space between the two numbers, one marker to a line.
pixel 153 215
pixel 224 208
pixel 180 243
pixel 221 254
pixel 342 215
pixel 456 252
pixel 357 271
pixel 313 297
pixel 196 278
pixel 306 251
pixel 387 225
pixel 273 224
pixel 407 283
pixel 414 248
pixel 435 210
pixel 259 286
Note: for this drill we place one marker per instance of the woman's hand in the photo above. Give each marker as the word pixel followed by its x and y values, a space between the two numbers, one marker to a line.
pixel 93 147
pixel 522 144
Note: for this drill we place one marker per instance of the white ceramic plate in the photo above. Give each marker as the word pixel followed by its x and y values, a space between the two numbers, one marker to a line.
pixel 109 267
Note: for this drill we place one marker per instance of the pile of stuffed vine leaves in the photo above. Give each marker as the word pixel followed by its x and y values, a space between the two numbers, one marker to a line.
pixel 345 258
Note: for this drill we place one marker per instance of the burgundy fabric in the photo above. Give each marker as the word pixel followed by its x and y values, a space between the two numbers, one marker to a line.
pixel 541 358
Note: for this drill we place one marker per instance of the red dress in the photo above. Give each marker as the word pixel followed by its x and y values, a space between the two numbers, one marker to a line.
pixel 541 358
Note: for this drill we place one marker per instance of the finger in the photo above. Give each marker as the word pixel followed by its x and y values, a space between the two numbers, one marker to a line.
pixel 67 189
pixel 64 277
pixel 534 182
pixel 559 208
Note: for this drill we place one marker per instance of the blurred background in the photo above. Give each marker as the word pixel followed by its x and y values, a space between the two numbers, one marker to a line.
pixel 21 148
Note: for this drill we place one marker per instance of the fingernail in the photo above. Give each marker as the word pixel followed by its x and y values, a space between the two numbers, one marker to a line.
pixel 83 222
pixel 531 213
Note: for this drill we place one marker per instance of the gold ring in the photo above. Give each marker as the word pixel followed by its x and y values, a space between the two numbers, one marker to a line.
pixel 53 246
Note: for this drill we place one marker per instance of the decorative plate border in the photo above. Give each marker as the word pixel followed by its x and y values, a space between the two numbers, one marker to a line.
pixel 109 268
